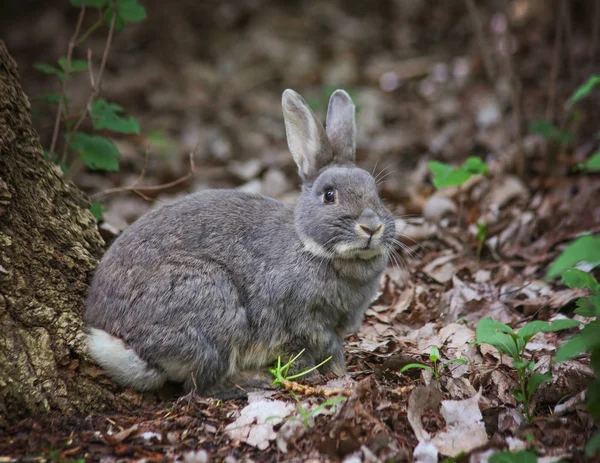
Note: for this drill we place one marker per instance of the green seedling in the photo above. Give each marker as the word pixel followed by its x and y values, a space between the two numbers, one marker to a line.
pixel 481 236
pixel 445 175
pixel 434 356
pixel 281 372
pixel 513 344
pixel 305 415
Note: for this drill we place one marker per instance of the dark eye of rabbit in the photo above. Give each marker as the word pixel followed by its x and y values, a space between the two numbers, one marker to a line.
pixel 329 196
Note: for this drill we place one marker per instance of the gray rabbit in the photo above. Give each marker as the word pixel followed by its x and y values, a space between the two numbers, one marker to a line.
pixel 211 289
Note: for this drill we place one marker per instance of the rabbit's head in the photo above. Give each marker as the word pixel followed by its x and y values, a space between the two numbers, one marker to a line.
pixel 339 213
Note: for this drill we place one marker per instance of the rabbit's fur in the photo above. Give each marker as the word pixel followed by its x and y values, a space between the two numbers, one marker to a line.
pixel 211 289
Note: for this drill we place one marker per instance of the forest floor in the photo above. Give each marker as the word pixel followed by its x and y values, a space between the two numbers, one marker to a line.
pixel 419 78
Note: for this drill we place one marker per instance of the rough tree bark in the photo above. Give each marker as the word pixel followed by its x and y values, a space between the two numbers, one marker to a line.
pixel 49 244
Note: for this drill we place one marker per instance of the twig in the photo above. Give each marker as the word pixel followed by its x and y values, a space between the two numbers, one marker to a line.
pixel 138 189
pixel 485 51
pixel 95 88
pixel 64 81
pixel 293 386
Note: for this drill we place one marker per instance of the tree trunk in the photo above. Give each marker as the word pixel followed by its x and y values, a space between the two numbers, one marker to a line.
pixel 49 243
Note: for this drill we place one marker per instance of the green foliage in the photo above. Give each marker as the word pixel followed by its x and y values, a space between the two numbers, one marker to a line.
pixel 592 164
pixel 306 414
pixel 524 456
pixel 481 236
pixel 593 445
pixel 97 209
pixel 550 132
pixel 105 115
pixel 92 150
pixel 434 356
pixel 513 344
pixel 126 11
pixel 98 153
pixel 586 248
pixel 281 372
pixel 585 89
pixel 445 175
pixel 583 249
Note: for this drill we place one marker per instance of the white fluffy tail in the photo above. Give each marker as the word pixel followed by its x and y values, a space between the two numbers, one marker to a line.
pixel 122 363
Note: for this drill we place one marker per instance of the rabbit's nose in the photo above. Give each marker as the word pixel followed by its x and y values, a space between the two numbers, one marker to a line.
pixel 369 222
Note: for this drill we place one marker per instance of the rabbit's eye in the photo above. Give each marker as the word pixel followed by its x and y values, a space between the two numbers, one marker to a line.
pixel 329 196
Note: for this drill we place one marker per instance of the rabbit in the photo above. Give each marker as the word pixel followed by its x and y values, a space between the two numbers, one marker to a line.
pixel 211 289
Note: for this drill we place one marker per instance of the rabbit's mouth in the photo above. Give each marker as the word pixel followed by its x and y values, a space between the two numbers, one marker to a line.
pixel 366 251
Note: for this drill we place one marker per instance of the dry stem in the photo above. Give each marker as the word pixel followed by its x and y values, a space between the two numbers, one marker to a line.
pixel 64 81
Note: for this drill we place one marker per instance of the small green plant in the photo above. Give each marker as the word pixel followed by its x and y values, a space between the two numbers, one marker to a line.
pixel 445 175
pixel 584 249
pixel 306 414
pixel 95 151
pixel 513 344
pixel 481 236
pixel 434 356
pixel 523 456
pixel 550 132
pixel 281 372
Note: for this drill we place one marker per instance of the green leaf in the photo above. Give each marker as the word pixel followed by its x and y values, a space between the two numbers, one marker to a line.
pixel 76 65
pixel 583 249
pixel 575 278
pixel 536 380
pixel 592 164
pixel 434 354
pixel 98 153
pixel 523 456
pixel 127 11
pixel 97 209
pixel 48 69
pixel 538 326
pixel 550 132
pixel 416 365
pixel 474 165
pixel 93 3
pixel 586 340
pixel 584 89
pixel 588 306
pixel 445 175
pixel 498 335
pixel 104 116
pixel 456 360
pixel 593 445
pixel 544 128
pixel 592 399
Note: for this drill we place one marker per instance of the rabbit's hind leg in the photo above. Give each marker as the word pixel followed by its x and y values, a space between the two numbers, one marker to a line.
pixel 239 385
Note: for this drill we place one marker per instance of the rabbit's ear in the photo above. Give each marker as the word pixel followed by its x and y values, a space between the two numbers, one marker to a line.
pixel 341 127
pixel 306 136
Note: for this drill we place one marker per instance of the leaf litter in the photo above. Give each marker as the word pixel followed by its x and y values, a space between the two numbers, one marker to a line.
pixel 433 296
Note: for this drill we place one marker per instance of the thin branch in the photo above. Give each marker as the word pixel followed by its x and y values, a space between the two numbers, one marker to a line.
pixel 485 51
pixel 72 43
pixel 139 189
pixel 95 88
